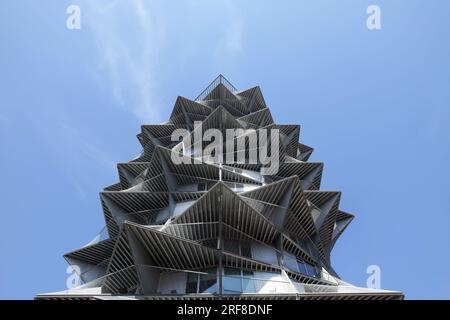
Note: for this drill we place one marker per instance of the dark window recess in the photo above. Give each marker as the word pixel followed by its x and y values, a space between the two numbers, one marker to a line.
pixel 232 272
pixel 208 283
pixel 202 187
pixel 212 243
pixel 231 246
pixel 151 219
pixel 246 251
pixel 310 270
pixel 247 273
pixel 191 284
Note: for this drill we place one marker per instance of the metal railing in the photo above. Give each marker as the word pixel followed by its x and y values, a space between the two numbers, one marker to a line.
pixel 219 80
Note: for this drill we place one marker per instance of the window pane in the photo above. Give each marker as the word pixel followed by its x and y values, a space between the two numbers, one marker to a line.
pixel 301 267
pixel 290 262
pixel 208 283
pixel 247 273
pixel 232 272
pixel 311 271
pixel 246 251
pixel 212 243
pixel 231 246
pixel 248 286
pixel 232 284
pixel 191 284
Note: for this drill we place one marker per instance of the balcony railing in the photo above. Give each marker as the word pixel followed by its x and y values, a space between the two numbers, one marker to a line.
pixel 219 80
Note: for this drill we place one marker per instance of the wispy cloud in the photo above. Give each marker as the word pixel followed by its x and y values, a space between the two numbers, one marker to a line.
pixel 133 42
pixel 127 36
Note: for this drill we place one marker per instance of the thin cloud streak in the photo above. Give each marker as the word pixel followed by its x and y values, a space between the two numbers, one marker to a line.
pixel 127 55
pixel 131 40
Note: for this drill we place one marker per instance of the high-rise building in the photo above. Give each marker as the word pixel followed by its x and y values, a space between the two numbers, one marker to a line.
pixel 210 228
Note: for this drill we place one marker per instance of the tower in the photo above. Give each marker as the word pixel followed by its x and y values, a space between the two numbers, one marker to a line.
pixel 184 225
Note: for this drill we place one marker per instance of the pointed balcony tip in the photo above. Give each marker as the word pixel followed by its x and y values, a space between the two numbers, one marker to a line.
pixel 219 80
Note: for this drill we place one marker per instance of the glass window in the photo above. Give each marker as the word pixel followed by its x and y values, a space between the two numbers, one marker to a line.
pixel 247 273
pixel 212 243
pixel 231 246
pixel 246 250
pixel 232 284
pixel 151 219
pixel 201 187
pixel 208 282
pixel 232 272
pixel 310 270
pixel 239 281
pixel 191 283
pixel 290 262
pixel 248 285
pixel 301 267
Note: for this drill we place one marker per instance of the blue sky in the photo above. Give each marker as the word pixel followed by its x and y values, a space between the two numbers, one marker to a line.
pixel 375 105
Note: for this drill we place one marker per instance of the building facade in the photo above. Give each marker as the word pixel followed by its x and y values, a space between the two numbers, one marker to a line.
pixel 209 228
